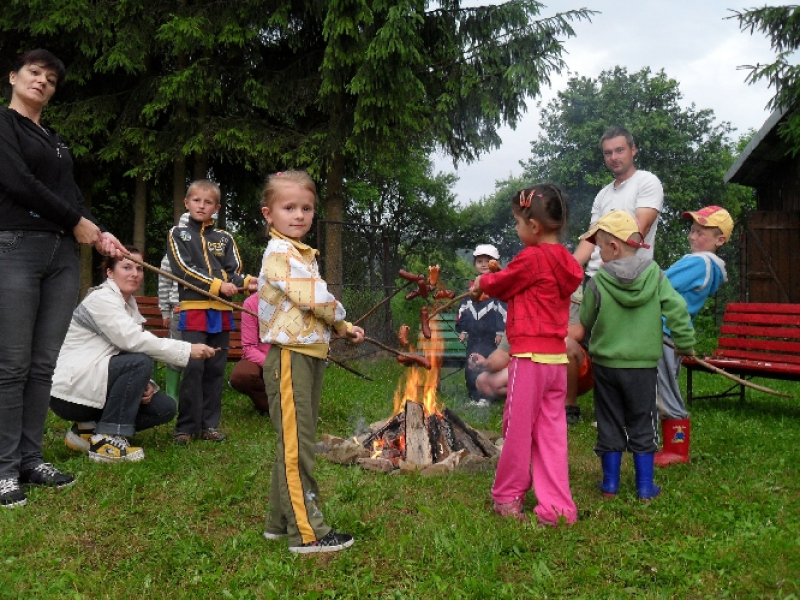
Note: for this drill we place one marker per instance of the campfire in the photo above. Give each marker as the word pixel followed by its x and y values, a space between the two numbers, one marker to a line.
pixel 421 433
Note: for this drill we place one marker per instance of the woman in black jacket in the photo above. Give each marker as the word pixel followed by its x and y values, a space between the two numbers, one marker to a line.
pixel 43 221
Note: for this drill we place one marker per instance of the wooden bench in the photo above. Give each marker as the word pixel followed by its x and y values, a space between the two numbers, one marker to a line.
pixel 148 306
pixel 756 340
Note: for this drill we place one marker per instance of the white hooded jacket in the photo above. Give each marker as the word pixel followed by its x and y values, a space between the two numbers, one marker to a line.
pixel 104 325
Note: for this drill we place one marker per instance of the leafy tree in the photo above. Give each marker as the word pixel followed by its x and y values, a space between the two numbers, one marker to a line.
pixel 490 220
pixel 781 24
pixel 397 76
pixel 684 147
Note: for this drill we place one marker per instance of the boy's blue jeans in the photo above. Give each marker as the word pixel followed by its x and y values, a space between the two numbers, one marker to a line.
pixel 39 283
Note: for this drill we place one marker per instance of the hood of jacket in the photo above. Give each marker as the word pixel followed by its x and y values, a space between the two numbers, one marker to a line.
pixel 627 281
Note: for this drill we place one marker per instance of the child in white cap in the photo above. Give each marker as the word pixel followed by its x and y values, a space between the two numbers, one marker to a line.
pixel 480 322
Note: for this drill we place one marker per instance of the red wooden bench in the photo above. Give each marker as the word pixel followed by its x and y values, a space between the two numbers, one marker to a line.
pixel 148 306
pixel 756 340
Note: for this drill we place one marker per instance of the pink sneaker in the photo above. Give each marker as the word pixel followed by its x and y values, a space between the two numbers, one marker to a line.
pixel 511 509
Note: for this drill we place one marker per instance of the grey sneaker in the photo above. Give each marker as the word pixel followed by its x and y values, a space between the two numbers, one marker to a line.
pixel 11 494
pixel 333 542
pixel 269 535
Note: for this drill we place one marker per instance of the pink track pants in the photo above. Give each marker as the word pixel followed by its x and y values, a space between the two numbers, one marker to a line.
pixel 534 454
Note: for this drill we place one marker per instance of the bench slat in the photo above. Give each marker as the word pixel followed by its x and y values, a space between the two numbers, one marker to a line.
pixel 771 346
pixel 762 308
pixel 762 319
pixel 772 332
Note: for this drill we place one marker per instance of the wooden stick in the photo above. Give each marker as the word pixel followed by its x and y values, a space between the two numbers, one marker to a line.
pixel 188 285
pixel 448 305
pixel 738 380
pixel 233 305
pixel 420 360
pixel 339 363
pixel 382 302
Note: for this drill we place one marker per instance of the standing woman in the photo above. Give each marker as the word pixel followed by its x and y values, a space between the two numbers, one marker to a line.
pixel 44 220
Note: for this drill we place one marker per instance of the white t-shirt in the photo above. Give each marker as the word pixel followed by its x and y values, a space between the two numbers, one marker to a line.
pixel 640 190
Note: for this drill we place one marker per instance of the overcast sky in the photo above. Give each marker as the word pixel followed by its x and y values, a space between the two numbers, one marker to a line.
pixel 690 39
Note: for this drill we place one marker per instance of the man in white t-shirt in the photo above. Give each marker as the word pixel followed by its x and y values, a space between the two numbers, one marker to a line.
pixel 638 192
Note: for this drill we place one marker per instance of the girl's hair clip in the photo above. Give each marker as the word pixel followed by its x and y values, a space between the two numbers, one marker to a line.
pixel 279 173
pixel 525 201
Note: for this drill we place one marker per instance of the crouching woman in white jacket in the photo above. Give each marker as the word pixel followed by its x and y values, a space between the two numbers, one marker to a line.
pixel 102 378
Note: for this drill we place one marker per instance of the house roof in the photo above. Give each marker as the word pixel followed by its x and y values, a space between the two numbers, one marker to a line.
pixel 764 150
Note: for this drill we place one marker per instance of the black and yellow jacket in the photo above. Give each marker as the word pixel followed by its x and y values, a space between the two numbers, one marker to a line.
pixel 206 258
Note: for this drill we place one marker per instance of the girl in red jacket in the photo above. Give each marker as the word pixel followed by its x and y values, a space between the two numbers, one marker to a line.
pixel 537 285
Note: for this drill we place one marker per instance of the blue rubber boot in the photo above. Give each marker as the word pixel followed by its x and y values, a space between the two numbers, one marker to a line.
pixel 644 463
pixel 611 462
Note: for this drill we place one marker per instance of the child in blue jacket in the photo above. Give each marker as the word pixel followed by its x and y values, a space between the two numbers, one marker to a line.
pixel 695 276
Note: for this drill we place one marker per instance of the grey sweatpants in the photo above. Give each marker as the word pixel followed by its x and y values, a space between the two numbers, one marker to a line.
pixel 670 401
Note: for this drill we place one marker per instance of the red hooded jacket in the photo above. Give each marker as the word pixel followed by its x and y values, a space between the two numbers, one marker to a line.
pixel 537 284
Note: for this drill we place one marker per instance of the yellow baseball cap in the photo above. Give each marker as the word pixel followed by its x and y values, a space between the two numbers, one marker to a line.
pixel 620 224
pixel 712 216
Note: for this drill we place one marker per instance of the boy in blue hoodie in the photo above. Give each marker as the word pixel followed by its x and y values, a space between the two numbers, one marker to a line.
pixel 622 308
pixel 695 276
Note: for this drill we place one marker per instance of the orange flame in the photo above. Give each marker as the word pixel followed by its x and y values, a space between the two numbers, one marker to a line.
pixel 420 384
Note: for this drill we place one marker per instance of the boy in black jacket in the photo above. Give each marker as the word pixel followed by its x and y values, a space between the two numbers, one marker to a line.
pixel 208 259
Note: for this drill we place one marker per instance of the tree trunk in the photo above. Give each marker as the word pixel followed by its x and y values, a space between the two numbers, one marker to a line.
pixel 139 218
pixel 178 188
pixel 87 252
pixel 334 211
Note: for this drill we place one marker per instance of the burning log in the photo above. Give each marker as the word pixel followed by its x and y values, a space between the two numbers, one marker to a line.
pixel 418 445
pixel 484 444
pixel 393 424
pixel 440 446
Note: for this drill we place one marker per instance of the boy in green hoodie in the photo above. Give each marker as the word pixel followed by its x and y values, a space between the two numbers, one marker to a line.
pixel 622 311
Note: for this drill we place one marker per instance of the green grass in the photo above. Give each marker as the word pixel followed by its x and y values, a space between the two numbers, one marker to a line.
pixel 187 522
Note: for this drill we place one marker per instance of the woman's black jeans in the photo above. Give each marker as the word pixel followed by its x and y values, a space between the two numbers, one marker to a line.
pixel 40 275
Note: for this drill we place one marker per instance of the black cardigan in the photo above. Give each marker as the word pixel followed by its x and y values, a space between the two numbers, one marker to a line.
pixel 37 188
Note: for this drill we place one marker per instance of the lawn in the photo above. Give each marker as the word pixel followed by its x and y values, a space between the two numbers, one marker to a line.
pixel 187 522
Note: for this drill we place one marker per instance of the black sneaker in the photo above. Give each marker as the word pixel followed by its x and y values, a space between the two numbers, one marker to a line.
pixel 11 494
pixel 333 542
pixel 573 414
pixel 46 475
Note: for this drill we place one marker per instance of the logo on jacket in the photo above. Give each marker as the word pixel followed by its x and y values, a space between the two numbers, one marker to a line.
pixel 217 248
pixel 185 236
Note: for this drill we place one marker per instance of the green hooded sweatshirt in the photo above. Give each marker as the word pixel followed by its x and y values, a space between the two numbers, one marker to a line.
pixel 622 310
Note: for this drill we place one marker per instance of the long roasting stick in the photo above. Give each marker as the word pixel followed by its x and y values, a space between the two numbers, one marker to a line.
pixel 444 307
pixel 415 358
pixel 382 302
pixel 233 305
pixel 738 380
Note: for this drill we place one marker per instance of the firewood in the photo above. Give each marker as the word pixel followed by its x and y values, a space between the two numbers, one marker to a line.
pixel 440 448
pixel 465 442
pixel 481 441
pixel 395 422
pixel 418 444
